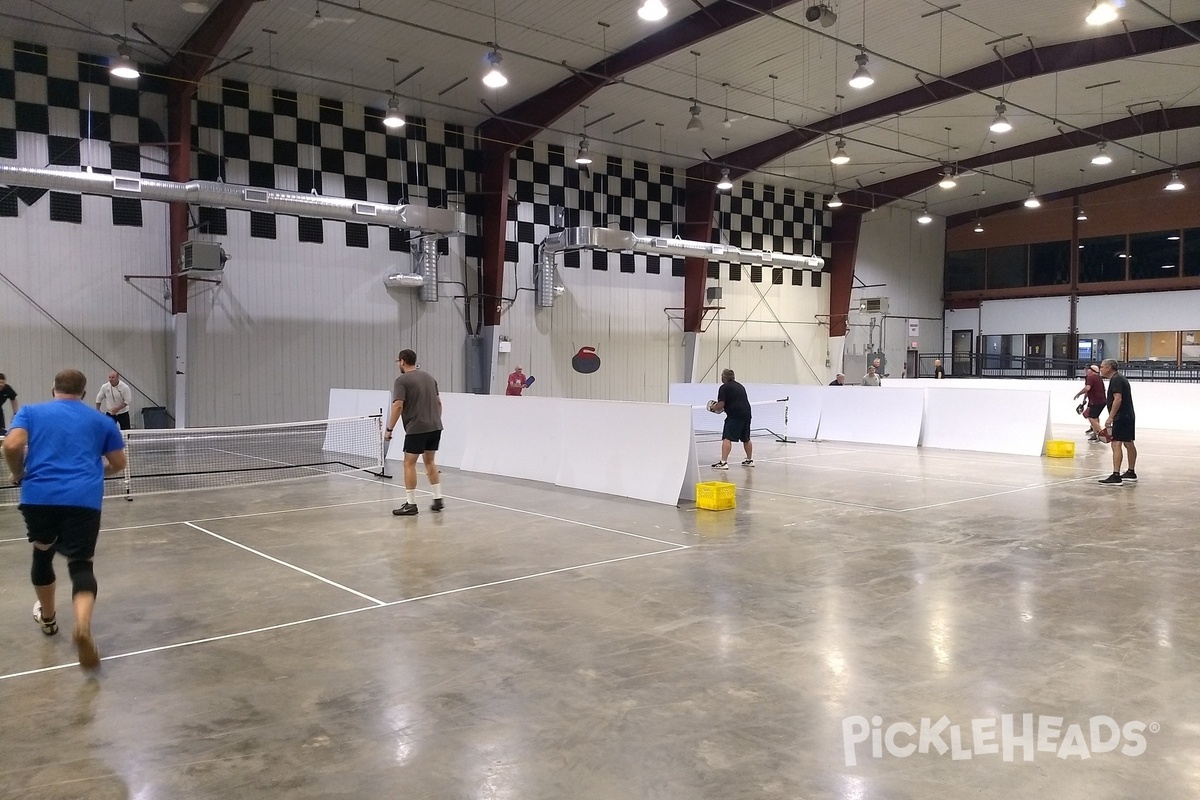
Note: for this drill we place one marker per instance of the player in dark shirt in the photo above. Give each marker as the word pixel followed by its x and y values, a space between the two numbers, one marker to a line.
pixel 1120 423
pixel 9 394
pixel 732 399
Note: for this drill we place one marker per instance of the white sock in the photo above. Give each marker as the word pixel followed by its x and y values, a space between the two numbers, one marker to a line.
pixel 411 496
pixel 436 488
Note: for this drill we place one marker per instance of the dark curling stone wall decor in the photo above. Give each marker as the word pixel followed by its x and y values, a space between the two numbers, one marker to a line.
pixel 585 361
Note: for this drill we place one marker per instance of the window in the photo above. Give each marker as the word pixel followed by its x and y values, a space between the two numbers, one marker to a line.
pixel 1049 263
pixel 1191 252
pixel 1152 346
pixel 998 350
pixel 1153 255
pixel 1102 259
pixel 1007 267
pixel 965 270
pixel 1190 349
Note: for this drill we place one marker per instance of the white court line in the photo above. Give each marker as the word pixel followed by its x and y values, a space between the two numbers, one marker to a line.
pixel 893 474
pixel 285 564
pixel 238 634
pixel 998 494
pixel 819 499
pixel 538 514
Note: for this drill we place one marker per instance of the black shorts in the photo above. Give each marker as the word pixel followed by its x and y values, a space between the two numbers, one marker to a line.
pixel 1094 409
pixel 1123 429
pixel 121 419
pixel 736 429
pixel 418 443
pixel 71 530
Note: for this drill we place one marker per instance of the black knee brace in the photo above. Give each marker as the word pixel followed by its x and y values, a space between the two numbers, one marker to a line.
pixel 82 579
pixel 42 571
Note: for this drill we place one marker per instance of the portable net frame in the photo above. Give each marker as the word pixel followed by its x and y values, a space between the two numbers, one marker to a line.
pixel 767 419
pixel 171 460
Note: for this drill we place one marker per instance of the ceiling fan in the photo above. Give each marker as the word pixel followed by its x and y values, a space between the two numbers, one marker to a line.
pixel 320 19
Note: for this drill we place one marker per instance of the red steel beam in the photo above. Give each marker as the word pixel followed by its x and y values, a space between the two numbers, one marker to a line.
pixel 191 61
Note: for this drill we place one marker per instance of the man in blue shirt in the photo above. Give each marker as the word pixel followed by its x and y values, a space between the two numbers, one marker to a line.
pixel 59 453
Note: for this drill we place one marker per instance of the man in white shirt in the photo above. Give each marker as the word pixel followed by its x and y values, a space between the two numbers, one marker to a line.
pixel 114 398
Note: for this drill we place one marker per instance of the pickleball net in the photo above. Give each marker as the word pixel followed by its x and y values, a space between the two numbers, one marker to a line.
pixel 768 419
pixel 174 460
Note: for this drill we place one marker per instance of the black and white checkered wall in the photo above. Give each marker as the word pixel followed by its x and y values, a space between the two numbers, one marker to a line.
pixel 552 192
pixel 59 108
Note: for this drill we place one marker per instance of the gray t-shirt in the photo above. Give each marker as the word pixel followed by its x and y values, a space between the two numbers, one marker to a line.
pixel 419 392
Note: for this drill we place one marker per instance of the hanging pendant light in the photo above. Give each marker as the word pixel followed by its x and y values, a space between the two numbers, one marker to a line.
pixel 1081 215
pixel 494 78
pixel 393 118
pixel 1175 184
pixel 947 181
pixel 124 67
pixel 695 124
pixel 652 10
pixel 839 155
pixel 861 78
pixel 1032 201
pixel 925 217
pixel 1000 124
pixel 834 201
pixel 1102 158
pixel 584 156
pixel 725 184
pixel 978 226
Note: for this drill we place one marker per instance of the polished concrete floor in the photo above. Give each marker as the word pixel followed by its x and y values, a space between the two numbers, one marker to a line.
pixel 298 641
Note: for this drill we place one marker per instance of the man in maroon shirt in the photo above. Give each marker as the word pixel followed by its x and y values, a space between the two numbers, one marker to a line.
pixel 1093 387
pixel 516 383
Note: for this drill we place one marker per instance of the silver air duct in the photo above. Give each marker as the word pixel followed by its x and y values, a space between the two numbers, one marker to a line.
pixel 611 239
pixel 428 267
pixel 404 280
pixel 246 198
pixel 544 279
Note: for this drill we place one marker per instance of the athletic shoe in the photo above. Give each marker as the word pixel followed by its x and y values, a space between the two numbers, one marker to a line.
pixel 749 462
pixel 406 510
pixel 1129 475
pixel 1092 437
pixel 89 655
pixel 1111 480
pixel 720 465
pixel 49 627
pixel 437 505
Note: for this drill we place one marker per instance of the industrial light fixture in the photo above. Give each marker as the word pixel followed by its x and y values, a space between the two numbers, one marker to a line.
pixel 1081 215
pixel 393 118
pixel 124 67
pixel 947 181
pixel 1001 124
pixel 695 124
pixel 978 226
pixel 1102 158
pixel 839 156
pixel 1032 201
pixel 725 184
pixel 494 78
pixel 861 78
pixel 1175 184
pixel 194 8
pixel 823 13
pixel 583 156
pixel 1174 237
pixel 1103 12
pixel 925 217
pixel 652 10
pixel 834 201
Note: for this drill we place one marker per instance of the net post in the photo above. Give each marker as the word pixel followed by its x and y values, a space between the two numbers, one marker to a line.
pixel 126 481
pixel 382 473
pixel 784 438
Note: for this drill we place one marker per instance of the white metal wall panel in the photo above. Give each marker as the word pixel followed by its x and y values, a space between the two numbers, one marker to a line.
pixel 1157 311
pixel 1028 315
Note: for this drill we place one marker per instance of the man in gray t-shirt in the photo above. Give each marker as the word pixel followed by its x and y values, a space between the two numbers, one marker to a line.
pixel 415 399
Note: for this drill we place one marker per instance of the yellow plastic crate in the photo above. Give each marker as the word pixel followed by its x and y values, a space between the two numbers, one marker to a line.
pixel 1060 448
pixel 716 496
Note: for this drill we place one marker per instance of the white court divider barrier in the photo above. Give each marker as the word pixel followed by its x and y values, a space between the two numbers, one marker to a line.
pixel 804 402
pixel 353 403
pixel 987 420
pixel 872 415
pixel 512 436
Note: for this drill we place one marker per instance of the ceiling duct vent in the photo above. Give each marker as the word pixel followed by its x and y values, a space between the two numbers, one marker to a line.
pixel 873 305
pixel 203 257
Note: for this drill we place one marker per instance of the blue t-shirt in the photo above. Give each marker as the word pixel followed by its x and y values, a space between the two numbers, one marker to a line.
pixel 66 440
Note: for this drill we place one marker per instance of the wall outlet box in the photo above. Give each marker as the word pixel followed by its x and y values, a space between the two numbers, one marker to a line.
pixel 505 347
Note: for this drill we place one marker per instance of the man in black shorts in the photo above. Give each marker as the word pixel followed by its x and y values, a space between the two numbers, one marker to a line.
pixel 10 394
pixel 59 452
pixel 415 399
pixel 1120 423
pixel 731 398
pixel 1093 387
